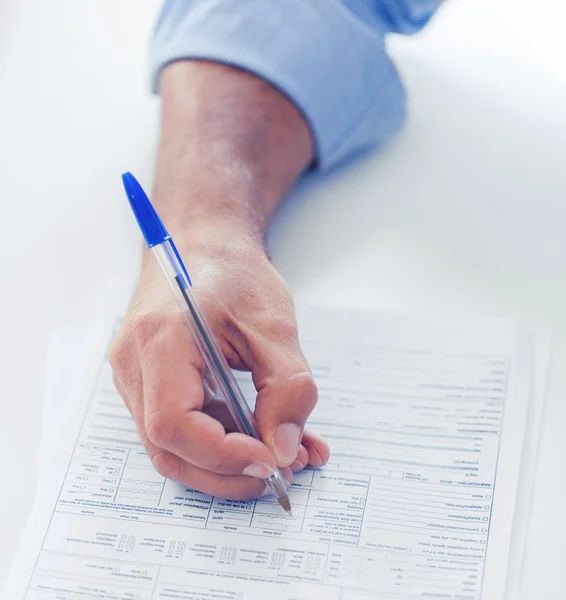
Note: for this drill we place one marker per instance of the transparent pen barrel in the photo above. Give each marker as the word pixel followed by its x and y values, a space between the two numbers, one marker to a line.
pixel 217 367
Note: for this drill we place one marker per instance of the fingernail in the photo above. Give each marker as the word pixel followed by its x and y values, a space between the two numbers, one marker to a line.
pixel 316 460
pixel 297 466
pixel 258 470
pixel 286 440
pixel 267 491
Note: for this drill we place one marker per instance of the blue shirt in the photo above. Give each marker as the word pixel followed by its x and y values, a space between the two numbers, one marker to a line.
pixel 327 56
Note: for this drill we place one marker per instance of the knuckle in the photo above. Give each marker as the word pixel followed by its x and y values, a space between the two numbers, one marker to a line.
pixel 160 429
pixel 115 356
pixel 119 353
pixel 306 389
pixel 146 326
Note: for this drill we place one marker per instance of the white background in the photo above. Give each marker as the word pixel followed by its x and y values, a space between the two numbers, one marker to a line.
pixel 465 212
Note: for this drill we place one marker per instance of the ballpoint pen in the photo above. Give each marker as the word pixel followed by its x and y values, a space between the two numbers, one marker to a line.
pixel 161 245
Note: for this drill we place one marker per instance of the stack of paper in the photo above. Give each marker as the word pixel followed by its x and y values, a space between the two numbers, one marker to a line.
pixel 427 422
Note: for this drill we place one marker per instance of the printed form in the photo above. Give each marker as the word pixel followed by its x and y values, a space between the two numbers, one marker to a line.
pixel 425 420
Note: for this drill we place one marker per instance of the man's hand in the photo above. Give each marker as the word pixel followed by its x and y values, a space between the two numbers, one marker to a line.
pixel 231 147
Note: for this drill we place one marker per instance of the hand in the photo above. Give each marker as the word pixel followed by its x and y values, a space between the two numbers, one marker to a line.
pixel 159 370
pixel 231 147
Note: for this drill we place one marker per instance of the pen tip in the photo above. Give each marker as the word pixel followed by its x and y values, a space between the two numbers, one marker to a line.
pixel 286 504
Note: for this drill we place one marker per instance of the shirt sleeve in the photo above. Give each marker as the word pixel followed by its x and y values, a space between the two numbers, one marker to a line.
pixel 327 56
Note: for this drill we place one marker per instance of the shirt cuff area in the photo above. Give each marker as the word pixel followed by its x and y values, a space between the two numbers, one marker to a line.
pixel 329 63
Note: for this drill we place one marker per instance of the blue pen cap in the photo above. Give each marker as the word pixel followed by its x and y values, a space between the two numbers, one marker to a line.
pixel 150 224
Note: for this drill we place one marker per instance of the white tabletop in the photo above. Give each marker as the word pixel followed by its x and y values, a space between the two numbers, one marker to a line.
pixel 463 213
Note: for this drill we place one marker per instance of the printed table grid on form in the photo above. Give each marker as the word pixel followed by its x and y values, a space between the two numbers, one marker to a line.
pixel 403 508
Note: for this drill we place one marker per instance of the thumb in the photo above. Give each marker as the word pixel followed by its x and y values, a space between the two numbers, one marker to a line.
pixel 286 389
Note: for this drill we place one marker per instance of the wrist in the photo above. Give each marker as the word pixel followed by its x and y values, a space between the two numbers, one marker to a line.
pixel 210 241
pixel 231 147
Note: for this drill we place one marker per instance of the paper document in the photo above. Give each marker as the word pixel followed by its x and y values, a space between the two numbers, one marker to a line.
pixel 425 421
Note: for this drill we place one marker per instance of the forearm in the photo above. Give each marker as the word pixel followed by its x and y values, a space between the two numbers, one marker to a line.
pixel 231 147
